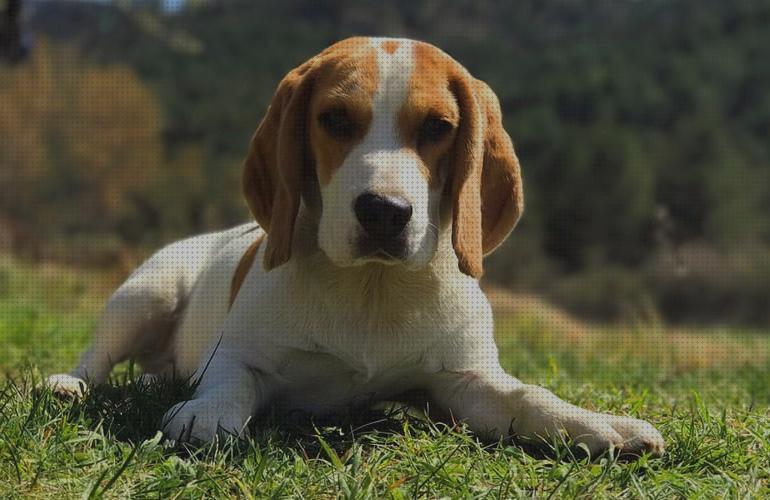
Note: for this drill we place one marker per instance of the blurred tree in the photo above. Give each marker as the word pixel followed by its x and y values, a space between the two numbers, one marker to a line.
pixel 621 111
pixel 79 143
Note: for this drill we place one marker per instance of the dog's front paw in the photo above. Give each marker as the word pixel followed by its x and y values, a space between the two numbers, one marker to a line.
pixel 547 416
pixel 639 437
pixel 626 436
pixel 202 420
pixel 66 386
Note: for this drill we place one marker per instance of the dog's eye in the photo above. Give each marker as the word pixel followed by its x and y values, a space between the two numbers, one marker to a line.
pixel 336 123
pixel 433 130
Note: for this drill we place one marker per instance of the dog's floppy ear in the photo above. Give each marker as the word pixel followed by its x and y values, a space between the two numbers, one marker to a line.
pixel 486 182
pixel 272 173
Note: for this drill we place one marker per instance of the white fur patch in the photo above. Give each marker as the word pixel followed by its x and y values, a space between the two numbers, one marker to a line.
pixel 394 71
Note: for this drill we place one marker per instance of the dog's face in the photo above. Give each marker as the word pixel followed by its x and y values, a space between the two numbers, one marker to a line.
pixel 394 133
pixel 380 135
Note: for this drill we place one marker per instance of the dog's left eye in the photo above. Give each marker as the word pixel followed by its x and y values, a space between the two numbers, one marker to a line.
pixel 433 130
pixel 337 123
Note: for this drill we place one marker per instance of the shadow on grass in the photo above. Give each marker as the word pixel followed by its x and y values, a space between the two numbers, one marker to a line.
pixel 128 410
pixel 131 411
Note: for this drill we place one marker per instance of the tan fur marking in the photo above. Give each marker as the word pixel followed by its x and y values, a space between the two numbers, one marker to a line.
pixel 243 267
pixel 272 175
pixel 390 46
pixel 347 83
pixel 429 96
pixel 486 183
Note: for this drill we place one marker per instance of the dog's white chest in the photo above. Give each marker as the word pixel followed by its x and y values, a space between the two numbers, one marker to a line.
pixel 321 382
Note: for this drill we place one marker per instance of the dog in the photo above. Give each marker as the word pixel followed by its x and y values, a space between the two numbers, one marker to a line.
pixel 379 178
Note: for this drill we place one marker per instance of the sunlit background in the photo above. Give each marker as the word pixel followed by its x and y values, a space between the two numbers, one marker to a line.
pixel 643 129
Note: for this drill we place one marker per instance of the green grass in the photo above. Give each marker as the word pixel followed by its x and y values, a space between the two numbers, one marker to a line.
pixel 712 410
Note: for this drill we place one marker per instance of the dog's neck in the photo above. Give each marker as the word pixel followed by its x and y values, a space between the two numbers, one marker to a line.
pixel 373 283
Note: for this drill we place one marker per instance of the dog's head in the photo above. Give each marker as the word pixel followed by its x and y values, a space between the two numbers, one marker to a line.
pixel 392 133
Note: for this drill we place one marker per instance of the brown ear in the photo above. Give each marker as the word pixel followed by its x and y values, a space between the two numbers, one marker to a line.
pixel 486 182
pixel 272 172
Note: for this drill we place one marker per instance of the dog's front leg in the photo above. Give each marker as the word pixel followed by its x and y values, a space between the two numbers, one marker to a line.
pixel 498 405
pixel 228 394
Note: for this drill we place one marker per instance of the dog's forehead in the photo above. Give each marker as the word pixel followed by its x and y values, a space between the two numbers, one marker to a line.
pixel 388 86
pixel 385 69
pixel 395 65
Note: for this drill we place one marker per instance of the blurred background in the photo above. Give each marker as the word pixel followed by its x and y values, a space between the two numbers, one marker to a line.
pixel 643 129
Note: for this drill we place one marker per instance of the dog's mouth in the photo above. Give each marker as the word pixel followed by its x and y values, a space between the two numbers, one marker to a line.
pixel 390 252
pixel 379 257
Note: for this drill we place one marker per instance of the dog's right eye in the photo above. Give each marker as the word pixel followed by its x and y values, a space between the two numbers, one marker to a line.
pixel 336 123
pixel 434 130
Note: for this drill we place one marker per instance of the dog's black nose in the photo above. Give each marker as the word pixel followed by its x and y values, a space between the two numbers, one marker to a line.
pixel 382 217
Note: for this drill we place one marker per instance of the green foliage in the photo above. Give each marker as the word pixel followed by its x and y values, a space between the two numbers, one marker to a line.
pixel 53 449
pixel 641 126
pixel 713 417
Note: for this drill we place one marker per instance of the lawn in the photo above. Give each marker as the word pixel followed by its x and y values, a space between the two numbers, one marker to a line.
pixel 706 390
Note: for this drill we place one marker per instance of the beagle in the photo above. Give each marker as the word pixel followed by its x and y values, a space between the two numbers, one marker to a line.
pixel 379 178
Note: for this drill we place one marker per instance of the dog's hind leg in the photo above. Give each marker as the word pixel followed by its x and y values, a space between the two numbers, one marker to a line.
pixel 138 319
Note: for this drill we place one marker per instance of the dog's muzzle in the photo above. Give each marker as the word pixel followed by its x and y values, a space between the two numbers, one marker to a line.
pixel 384 220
